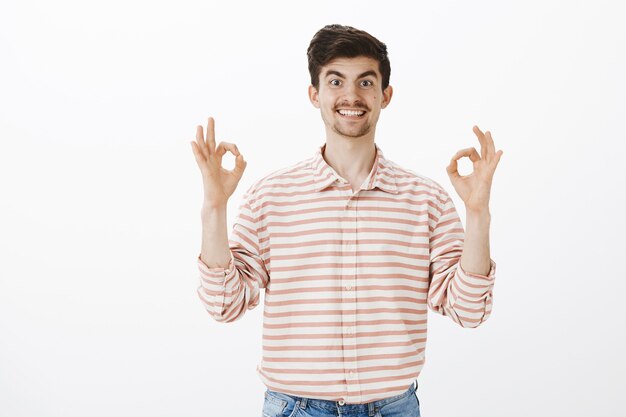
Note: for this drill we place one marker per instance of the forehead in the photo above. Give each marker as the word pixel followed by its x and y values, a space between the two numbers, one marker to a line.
pixel 351 67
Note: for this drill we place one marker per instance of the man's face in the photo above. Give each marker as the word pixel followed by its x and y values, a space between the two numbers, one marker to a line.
pixel 349 85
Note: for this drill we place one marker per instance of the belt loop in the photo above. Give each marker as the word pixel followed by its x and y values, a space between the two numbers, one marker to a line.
pixel 303 402
pixel 371 409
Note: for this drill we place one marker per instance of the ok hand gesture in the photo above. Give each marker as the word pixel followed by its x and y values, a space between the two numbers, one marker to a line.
pixel 219 183
pixel 474 189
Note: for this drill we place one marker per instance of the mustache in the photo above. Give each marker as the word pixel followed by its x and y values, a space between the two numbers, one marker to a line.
pixel 352 106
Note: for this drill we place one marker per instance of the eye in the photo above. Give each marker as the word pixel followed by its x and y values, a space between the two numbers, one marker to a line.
pixel 367 83
pixel 335 82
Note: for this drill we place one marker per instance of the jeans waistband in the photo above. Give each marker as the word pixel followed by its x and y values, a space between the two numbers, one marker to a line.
pixel 370 407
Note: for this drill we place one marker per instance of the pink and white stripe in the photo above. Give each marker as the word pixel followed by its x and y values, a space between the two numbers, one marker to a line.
pixel 348 277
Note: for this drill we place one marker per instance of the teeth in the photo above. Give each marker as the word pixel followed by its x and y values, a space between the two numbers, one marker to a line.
pixel 351 112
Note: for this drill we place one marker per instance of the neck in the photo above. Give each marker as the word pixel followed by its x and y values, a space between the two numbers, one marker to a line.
pixel 352 158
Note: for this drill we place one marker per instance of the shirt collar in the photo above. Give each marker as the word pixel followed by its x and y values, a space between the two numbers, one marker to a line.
pixel 324 175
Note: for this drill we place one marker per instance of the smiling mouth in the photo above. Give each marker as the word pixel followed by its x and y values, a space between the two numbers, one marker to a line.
pixel 351 114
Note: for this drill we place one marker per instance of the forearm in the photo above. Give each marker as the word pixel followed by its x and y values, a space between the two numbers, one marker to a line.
pixel 228 293
pixel 215 251
pixel 476 255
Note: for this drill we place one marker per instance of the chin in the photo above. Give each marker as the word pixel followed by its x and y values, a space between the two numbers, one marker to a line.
pixel 352 135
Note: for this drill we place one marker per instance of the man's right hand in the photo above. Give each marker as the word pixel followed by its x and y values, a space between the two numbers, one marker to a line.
pixel 219 183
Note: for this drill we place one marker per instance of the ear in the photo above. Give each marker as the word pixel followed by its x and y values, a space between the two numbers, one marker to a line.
pixel 314 96
pixel 387 96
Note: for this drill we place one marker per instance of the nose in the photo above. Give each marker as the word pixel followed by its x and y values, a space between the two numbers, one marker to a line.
pixel 351 91
pixel 351 95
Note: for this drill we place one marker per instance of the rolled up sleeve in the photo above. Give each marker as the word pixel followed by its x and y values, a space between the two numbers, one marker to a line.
pixel 227 293
pixel 463 296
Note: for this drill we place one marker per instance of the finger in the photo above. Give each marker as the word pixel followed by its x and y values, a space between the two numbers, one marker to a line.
pixel 498 156
pixel 240 164
pixel 200 141
pixel 210 135
pixel 481 138
pixel 223 147
pixel 197 153
pixel 452 169
pixel 471 153
pixel 477 131
pixel 491 147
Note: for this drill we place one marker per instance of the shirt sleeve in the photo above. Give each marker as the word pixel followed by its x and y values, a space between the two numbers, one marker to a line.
pixel 226 293
pixel 463 296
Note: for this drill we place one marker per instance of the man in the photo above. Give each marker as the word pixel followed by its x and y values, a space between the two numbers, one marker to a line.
pixel 350 247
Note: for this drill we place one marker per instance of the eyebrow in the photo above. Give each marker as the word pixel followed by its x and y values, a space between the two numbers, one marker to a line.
pixel 365 74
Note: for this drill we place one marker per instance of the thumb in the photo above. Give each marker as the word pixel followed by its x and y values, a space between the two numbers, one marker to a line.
pixel 240 164
pixel 452 170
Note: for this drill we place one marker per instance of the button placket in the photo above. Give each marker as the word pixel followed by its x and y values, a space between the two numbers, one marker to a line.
pixel 349 295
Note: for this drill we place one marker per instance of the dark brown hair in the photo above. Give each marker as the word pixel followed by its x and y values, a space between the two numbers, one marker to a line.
pixel 339 41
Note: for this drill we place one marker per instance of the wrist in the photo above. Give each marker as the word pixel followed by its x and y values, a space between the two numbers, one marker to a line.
pixel 209 209
pixel 478 212
pixel 478 216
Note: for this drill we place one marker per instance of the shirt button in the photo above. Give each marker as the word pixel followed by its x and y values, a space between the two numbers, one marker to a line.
pixel 348 287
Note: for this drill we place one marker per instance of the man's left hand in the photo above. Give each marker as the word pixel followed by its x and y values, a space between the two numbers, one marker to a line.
pixel 474 189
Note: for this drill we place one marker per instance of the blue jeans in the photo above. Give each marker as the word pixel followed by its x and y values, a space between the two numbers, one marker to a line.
pixel 278 404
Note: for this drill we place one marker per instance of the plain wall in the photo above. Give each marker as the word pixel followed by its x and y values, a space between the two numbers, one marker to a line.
pixel 100 193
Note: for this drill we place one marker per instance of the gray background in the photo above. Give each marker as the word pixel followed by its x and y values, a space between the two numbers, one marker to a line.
pixel 101 195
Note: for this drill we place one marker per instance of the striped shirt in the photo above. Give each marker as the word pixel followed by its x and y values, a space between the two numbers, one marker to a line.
pixel 348 277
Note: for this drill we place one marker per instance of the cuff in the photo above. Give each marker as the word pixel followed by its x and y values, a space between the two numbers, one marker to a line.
pixel 216 275
pixel 474 287
pixel 478 279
